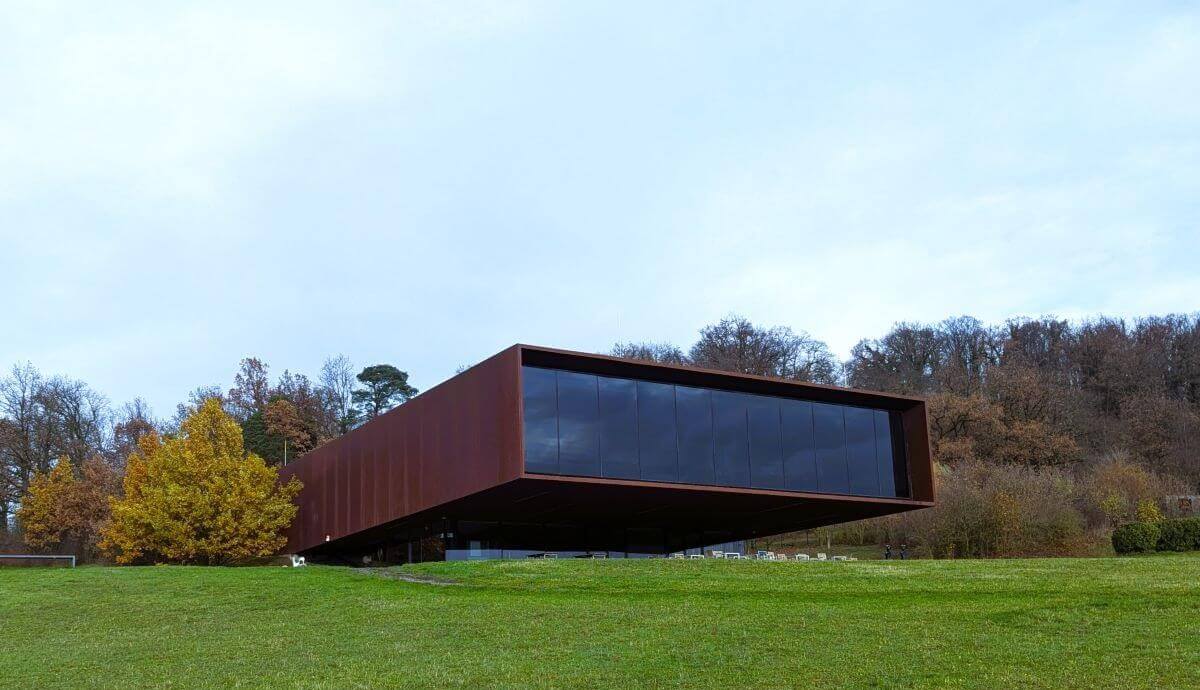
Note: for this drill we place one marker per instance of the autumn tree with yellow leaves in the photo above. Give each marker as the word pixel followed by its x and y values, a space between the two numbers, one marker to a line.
pixel 199 498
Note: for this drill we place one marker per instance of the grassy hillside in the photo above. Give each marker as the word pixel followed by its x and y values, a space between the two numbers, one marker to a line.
pixel 1132 622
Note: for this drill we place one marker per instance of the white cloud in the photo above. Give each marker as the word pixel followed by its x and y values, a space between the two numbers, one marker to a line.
pixel 162 101
pixel 156 106
pixel 1013 188
pixel 181 186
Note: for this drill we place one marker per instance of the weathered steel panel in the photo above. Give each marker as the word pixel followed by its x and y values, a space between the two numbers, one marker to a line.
pixel 456 451
pixel 916 436
pixel 456 439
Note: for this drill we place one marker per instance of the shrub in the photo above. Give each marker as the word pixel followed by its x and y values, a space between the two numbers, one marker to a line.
pixel 1148 511
pixel 1179 534
pixel 987 510
pixel 1115 508
pixel 1135 537
pixel 1117 490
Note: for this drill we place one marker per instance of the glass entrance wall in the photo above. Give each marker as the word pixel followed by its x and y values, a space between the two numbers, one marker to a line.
pixel 453 539
pixel 580 424
pixel 478 540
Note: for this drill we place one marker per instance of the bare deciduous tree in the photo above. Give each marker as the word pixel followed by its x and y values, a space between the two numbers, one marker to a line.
pixel 131 423
pixel 195 401
pixel 735 344
pixel 43 419
pixel 663 353
pixel 906 360
pixel 337 390
pixel 251 389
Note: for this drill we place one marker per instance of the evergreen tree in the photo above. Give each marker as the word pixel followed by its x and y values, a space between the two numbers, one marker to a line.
pixel 260 441
pixel 385 387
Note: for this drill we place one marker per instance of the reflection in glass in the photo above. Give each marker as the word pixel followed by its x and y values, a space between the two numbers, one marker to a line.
pixel 900 455
pixel 829 431
pixel 732 439
pixel 799 452
pixel 578 424
pixel 541 420
pixel 598 426
pixel 693 419
pixel 883 454
pixel 656 431
pixel 860 451
pixel 766 453
pixel 618 428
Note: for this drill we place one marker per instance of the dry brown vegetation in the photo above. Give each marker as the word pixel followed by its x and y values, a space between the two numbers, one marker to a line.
pixel 1047 433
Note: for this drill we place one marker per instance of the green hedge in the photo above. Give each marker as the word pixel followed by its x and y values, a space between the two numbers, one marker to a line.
pixel 1176 534
pixel 1179 534
pixel 1136 537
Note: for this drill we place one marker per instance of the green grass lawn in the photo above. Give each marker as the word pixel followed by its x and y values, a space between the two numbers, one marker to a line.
pixel 1108 622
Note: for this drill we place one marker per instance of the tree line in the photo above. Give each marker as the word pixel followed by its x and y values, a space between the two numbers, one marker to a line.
pixel 61 424
pixel 1047 433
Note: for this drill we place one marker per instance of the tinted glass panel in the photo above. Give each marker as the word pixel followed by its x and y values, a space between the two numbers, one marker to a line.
pixel 618 428
pixel 578 424
pixel 883 454
pixel 899 455
pixel 860 451
pixel 732 439
pixel 595 426
pixel 799 453
pixel 693 420
pixel 829 431
pixel 541 420
pixel 656 431
pixel 766 453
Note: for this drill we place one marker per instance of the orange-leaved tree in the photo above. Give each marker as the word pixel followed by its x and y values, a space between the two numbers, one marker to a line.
pixel 199 498
pixel 43 511
pixel 283 419
pixel 62 510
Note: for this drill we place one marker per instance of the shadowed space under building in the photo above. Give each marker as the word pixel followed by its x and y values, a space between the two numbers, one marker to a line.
pixel 541 450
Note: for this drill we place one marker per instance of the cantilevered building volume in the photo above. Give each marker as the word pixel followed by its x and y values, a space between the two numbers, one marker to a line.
pixel 541 450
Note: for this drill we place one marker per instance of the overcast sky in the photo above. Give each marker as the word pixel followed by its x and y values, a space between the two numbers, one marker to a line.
pixel 427 184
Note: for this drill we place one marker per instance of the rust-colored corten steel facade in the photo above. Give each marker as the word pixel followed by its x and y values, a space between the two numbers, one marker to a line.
pixel 537 449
